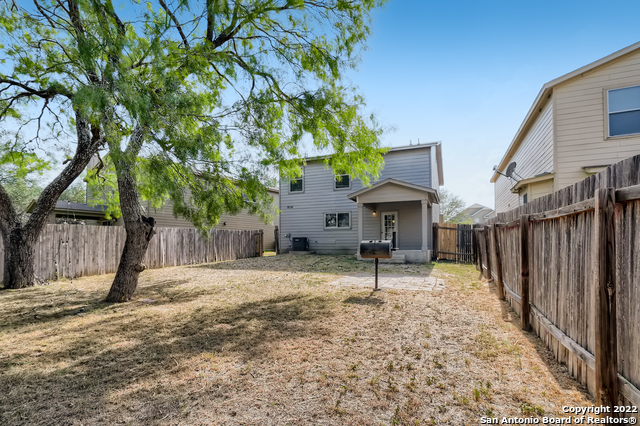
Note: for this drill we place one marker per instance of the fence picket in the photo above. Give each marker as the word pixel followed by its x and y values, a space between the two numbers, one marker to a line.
pixel 72 251
pixel 584 291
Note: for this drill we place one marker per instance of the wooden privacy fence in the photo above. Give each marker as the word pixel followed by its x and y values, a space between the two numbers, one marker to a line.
pixel 453 241
pixel 73 251
pixel 569 264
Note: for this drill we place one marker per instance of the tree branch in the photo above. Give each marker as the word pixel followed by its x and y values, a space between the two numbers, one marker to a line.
pixel 89 141
pixel 8 215
pixel 175 21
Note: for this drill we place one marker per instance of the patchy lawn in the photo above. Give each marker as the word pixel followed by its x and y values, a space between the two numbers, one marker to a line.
pixel 267 341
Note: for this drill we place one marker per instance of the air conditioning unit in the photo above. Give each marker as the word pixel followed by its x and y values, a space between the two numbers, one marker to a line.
pixel 300 243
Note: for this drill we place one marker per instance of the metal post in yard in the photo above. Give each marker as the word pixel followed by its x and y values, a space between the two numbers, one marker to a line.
pixel 376 262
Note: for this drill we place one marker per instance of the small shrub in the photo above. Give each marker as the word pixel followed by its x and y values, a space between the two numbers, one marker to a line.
pixel 530 409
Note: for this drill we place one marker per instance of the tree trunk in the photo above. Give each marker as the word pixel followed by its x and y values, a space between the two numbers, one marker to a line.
pixel 124 285
pixel 19 251
pixel 139 227
pixel 20 240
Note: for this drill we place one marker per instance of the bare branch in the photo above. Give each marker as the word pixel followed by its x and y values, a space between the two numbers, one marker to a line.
pixel 175 21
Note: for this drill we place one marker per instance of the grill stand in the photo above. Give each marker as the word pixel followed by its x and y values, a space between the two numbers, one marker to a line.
pixel 376 262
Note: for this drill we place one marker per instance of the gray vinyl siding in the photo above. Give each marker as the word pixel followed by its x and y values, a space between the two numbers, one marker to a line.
pixel 302 214
pixel 409 223
pixel 435 183
pixel 533 157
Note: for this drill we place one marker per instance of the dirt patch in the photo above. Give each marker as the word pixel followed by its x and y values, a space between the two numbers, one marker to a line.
pixel 268 341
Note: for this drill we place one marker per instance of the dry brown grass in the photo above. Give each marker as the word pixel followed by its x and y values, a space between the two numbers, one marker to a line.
pixel 266 341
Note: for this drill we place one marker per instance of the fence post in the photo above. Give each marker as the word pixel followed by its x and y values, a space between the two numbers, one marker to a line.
pixel 435 241
pixel 277 238
pixel 496 249
pixel 524 272
pixel 606 350
pixel 476 248
pixel 261 242
pixel 487 252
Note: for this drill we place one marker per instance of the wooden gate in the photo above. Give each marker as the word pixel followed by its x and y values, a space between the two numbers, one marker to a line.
pixel 452 241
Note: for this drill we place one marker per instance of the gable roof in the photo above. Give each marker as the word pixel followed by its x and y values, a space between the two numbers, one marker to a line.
pixel 72 207
pixel 432 194
pixel 545 93
pixel 436 144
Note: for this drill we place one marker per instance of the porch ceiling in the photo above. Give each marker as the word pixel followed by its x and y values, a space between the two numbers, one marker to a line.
pixel 393 190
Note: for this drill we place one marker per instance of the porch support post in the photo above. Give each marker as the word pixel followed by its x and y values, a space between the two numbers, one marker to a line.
pixel 426 225
pixel 360 223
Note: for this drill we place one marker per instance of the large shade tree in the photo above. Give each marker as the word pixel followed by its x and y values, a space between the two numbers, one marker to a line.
pixel 54 91
pixel 196 101
pixel 232 90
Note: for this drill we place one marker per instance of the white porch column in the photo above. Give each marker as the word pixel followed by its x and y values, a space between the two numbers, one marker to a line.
pixel 426 225
pixel 360 224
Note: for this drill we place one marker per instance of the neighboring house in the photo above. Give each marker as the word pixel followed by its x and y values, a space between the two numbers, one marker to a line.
pixel 475 213
pixel 94 215
pixel 578 124
pixel 336 214
pixel 75 212
pixel 243 220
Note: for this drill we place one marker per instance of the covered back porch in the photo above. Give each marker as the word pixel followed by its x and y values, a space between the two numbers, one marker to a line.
pixel 398 211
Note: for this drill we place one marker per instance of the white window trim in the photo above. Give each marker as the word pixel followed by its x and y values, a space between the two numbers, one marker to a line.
pixel 607 128
pixel 335 182
pixel 324 221
pixel 297 192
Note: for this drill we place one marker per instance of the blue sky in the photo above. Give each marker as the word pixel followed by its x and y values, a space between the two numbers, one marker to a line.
pixel 466 72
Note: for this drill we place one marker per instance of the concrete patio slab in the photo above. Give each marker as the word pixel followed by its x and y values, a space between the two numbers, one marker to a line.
pixel 397 282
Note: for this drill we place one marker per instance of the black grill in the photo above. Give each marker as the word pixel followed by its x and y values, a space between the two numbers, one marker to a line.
pixel 372 249
pixel 376 249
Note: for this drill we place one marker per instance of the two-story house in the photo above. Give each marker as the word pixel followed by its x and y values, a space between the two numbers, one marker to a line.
pixel 336 213
pixel 475 214
pixel 578 124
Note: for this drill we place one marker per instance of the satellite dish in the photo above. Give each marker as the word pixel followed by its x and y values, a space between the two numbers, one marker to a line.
pixel 511 172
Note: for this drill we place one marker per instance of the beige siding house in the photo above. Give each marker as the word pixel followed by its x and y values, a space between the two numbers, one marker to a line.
pixel 94 215
pixel 578 124
pixel 243 220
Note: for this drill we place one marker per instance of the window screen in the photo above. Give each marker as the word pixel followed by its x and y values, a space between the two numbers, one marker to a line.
pixel 296 185
pixel 337 220
pixel 624 111
pixel 343 181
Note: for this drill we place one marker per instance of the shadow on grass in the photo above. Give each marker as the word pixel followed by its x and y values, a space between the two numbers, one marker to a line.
pixel 76 380
pixel 370 300
pixel 56 305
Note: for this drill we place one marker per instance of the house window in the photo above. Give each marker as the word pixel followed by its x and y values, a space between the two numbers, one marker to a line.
pixel 624 111
pixel 337 220
pixel 296 185
pixel 525 198
pixel 342 182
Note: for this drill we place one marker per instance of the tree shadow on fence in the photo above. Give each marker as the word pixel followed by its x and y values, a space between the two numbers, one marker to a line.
pixel 558 370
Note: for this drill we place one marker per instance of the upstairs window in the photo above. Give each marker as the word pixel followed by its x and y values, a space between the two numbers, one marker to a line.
pixel 342 182
pixel 624 111
pixel 296 185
